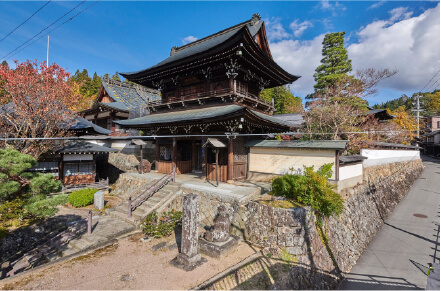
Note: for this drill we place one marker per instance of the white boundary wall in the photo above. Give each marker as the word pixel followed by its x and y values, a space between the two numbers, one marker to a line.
pixel 382 157
pixel 350 171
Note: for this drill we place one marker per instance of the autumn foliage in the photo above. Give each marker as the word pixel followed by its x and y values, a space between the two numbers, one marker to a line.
pixel 36 102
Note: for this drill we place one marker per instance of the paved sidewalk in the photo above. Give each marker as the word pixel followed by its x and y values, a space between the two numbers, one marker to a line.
pixel 398 256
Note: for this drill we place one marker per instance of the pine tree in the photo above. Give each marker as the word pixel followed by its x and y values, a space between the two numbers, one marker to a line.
pixel 284 100
pixel 5 63
pixel 335 62
pixel 116 77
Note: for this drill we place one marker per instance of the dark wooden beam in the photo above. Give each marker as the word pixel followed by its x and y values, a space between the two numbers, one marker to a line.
pixel 230 160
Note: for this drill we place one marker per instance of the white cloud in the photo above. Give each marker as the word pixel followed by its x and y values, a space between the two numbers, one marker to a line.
pixel 299 58
pixel 299 28
pixel 189 39
pixel 411 46
pixel 275 30
pixel 408 44
pixel 400 13
pixel 325 5
pixel 376 5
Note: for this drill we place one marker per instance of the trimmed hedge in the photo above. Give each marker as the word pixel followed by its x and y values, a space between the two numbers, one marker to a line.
pixel 83 197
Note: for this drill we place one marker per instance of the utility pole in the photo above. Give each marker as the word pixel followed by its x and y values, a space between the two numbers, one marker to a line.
pixel 418 109
pixel 47 54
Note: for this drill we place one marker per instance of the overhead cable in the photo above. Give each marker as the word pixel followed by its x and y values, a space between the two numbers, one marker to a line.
pixel 41 31
pixel 25 21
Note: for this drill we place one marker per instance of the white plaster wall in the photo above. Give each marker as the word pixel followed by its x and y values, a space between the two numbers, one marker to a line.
pixel 382 157
pixel 103 143
pixel 350 171
pixel 278 161
pixel 120 144
pixel 82 157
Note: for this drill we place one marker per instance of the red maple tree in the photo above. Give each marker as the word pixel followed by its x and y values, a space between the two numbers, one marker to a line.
pixel 36 102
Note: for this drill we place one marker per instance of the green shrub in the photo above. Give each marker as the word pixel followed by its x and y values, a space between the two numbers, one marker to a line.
pixel 312 189
pixel 164 226
pixel 13 209
pixel 83 197
pixel 45 207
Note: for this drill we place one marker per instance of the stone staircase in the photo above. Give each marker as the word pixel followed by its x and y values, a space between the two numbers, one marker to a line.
pixel 151 204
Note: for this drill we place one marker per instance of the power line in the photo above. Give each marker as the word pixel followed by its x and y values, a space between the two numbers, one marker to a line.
pixel 58 26
pixel 436 83
pixel 47 27
pixel 25 21
pixel 429 81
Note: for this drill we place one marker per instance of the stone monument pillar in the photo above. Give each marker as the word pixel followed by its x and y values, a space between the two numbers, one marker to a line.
pixel 98 200
pixel 189 258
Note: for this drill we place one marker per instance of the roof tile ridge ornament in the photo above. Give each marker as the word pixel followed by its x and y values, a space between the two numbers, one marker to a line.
pixel 173 50
pixel 255 19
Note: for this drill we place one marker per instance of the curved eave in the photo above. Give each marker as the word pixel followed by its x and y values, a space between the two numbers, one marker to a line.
pixel 259 53
pixel 134 76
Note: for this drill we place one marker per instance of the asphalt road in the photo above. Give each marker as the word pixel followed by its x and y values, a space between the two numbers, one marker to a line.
pixel 398 256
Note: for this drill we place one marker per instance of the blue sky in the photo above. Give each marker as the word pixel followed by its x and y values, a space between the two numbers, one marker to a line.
pixel 128 36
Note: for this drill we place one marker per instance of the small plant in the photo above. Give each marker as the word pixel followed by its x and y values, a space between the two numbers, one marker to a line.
pixel 81 198
pixel 312 189
pixel 164 226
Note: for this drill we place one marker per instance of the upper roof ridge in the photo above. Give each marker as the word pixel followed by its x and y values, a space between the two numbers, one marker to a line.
pixel 253 21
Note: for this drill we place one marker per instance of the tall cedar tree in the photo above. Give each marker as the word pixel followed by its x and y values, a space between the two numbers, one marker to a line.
pixel 335 62
pixel 37 103
pixel 284 100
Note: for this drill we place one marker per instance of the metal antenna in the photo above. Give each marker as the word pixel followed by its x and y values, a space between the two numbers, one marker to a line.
pixel 47 54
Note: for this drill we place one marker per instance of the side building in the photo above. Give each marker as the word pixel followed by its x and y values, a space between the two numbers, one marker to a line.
pixel 119 101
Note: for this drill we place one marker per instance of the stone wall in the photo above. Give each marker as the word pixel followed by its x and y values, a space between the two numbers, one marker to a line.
pixel 366 207
pixel 209 202
pixel 112 165
pixel 128 183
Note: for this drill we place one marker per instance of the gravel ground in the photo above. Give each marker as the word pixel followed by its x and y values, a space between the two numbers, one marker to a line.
pixel 130 264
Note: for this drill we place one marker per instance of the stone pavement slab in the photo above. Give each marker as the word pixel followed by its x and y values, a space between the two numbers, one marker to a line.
pixel 398 256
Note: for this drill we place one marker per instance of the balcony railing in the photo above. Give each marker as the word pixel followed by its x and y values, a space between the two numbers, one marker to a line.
pixel 209 94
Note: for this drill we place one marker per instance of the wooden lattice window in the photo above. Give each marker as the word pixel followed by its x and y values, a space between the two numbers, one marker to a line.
pixel 165 152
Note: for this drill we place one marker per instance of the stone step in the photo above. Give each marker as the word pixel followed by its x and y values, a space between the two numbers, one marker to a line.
pixel 123 216
pixel 80 244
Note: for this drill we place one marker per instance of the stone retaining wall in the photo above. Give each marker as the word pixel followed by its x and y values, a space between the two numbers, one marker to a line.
pixel 366 207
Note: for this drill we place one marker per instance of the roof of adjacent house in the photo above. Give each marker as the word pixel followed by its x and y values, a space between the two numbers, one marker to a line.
pixel 128 96
pixel 293 118
pixel 392 145
pixel 196 114
pixel 313 144
pixel 432 133
pixel 83 124
pixel 82 147
pixel 351 159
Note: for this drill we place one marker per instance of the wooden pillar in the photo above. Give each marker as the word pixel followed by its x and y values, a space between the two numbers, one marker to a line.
pixel 337 165
pixel 61 169
pixel 230 160
pixel 193 155
pixel 204 160
pixel 174 155
pixel 157 156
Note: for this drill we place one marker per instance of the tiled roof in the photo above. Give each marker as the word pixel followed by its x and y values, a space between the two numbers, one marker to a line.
pixel 128 96
pixel 84 147
pixel 196 114
pixel 81 123
pixel 296 119
pixel 204 44
pixel 351 159
pixel 179 116
pixel 314 144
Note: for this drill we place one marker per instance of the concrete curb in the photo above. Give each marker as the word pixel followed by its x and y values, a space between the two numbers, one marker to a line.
pixel 228 270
